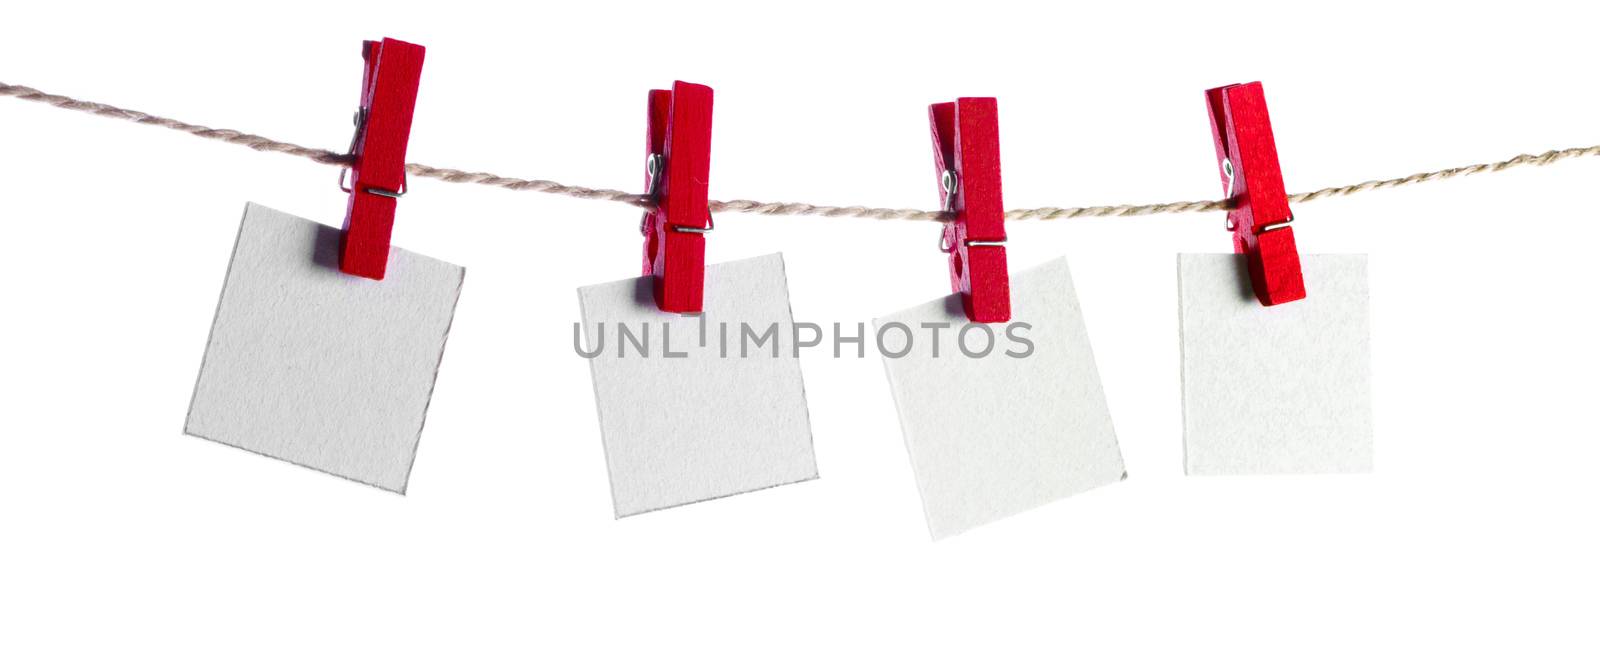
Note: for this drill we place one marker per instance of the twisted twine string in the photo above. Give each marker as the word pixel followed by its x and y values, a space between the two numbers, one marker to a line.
pixel 453 176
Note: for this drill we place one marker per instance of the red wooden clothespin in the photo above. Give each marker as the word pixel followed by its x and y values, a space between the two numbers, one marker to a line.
pixel 1248 158
pixel 966 156
pixel 378 175
pixel 677 171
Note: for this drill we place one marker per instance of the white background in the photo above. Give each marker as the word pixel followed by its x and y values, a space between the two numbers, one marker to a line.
pixel 124 543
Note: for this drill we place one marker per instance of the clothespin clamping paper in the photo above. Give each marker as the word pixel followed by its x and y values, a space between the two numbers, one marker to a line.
pixel 677 170
pixel 378 175
pixel 1251 178
pixel 966 154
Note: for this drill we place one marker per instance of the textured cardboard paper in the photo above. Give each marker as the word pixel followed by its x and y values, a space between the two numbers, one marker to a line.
pixel 995 435
pixel 1275 390
pixel 722 419
pixel 320 368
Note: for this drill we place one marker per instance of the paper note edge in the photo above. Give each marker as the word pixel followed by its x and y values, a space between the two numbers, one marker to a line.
pixel 433 382
pixel 216 317
pixel 805 398
pixel 599 407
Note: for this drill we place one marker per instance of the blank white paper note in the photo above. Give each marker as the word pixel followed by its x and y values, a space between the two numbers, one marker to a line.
pixel 316 367
pixel 1275 390
pixel 707 412
pixel 994 435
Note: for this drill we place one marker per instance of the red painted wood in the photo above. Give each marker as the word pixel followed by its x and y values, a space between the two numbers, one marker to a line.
pixel 680 130
pixel 1243 136
pixel 966 139
pixel 388 98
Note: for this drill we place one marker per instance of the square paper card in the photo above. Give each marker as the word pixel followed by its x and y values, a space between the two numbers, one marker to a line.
pixel 320 368
pixel 1000 418
pixel 1275 390
pixel 698 407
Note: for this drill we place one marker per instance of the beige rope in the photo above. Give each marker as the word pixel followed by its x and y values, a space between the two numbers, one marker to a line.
pixel 260 143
